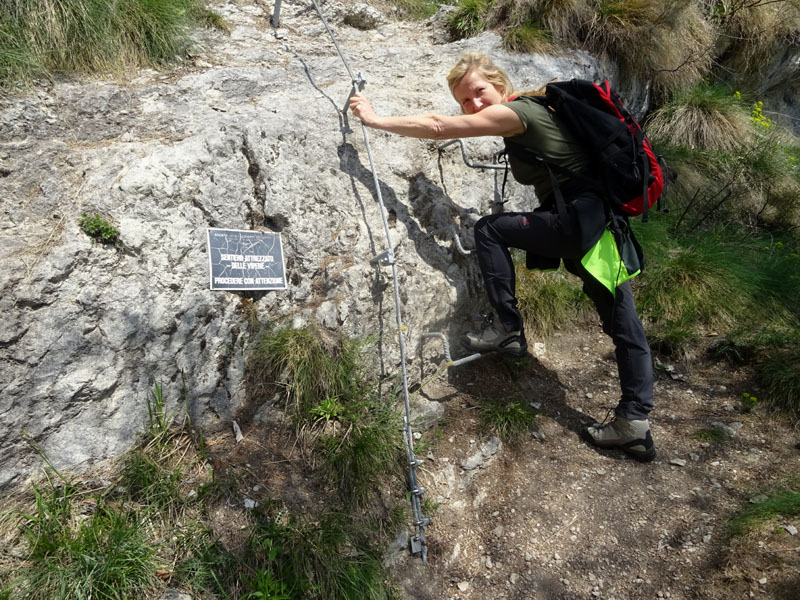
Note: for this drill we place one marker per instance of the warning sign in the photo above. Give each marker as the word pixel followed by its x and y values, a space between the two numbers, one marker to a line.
pixel 245 260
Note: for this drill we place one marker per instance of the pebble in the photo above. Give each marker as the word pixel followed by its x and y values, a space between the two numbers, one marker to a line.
pixel 791 529
pixel 463 586
pixel 679 462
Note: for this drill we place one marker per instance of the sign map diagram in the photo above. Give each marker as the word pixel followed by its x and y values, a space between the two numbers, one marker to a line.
pixel 245 260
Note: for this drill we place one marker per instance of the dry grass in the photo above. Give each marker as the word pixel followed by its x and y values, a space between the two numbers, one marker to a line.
pixel 757 39
pixel 704 118
pixel 668 43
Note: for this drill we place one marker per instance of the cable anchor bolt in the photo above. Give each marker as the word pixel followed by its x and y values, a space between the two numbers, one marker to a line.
pixel 385 258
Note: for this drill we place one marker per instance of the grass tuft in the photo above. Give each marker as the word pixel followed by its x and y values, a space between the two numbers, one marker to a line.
pixel 39 37
pixel 509 419
pixel 106 555
pixel 527 37
pixel 363 452
pixel 779 372
pixel 707 118
pixel 667 43
pixel 548 301
pixel 307 369
pixel 469 19
pixel 327 558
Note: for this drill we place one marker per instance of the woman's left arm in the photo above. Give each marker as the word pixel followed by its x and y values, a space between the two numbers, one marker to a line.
pixel 495 120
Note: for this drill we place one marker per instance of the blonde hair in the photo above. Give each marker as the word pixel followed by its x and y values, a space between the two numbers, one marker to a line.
pixel 474 61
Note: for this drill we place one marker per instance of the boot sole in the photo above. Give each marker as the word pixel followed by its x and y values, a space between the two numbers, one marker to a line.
pixel 513 352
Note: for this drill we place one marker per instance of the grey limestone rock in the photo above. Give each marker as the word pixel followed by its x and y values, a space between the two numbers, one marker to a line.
pixel 252 136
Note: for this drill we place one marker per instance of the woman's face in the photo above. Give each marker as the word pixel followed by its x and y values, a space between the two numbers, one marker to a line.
pixel 474 93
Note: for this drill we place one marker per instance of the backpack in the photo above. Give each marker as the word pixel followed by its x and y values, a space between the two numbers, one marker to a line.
pixel 624 165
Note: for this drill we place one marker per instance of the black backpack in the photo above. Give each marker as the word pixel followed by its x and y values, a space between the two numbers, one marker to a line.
pixel 624 167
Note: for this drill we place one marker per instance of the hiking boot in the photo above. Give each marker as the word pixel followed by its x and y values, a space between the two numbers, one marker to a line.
pixel 491 339
pixel 631 436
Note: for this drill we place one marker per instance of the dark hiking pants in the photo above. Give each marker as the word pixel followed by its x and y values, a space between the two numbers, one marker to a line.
pixel 541 234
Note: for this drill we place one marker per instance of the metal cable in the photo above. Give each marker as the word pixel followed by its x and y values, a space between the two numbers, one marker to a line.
pixel 418 543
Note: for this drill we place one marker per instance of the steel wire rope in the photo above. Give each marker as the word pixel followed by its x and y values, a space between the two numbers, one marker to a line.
pixel 418 543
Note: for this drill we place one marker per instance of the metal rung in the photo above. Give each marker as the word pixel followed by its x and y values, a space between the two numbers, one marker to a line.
pixel 467 161
pixel 446 346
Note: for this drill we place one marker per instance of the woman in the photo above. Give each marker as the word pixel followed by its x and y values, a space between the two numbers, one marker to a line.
pixel 489 108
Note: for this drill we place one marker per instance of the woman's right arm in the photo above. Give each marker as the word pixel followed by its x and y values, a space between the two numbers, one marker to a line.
pixel 493 120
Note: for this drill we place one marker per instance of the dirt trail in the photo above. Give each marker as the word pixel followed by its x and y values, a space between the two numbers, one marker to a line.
pixel 551 517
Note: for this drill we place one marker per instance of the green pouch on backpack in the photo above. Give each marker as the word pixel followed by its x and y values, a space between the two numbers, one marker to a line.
pixel 611 263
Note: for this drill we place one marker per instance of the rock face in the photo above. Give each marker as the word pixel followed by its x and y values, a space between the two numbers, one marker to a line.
pixel 250 136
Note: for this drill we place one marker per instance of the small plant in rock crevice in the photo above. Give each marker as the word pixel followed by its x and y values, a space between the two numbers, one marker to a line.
pixel 99 229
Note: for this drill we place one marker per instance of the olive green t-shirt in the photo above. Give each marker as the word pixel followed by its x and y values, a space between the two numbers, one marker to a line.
pixel 551 141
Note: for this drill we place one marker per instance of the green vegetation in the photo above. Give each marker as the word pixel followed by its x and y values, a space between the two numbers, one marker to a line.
pixel 711 435
pixel 549 301
pixel 672 44
pixel 470 18
pixel 152 526
pixel 328 383
pixel 99 229
pixel 42 37
pixel 779 504
pixel 508 418
pixel 355 459
pixel 308 371
pixel 527 37
pixel 737 284
pixel 733 162
pixel 749 403
pixel 418 9
pixel 105 556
